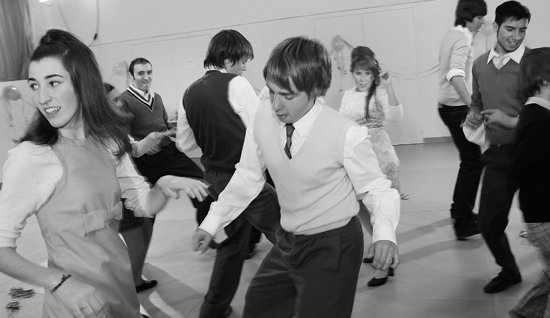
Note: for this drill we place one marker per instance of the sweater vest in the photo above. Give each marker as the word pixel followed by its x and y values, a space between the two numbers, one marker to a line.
pixel 218 130
pixel 499 89
pixel 146 120
pixel 314 191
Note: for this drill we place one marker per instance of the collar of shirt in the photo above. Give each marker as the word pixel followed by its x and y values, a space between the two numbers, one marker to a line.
pixel 221 70
pixel 302 127
pixel 143 94
pixel 469 35
pixel 514 56
pixel 538 100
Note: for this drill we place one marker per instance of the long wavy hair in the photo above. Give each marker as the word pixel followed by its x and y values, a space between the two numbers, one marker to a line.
pixel 102 121
pixel 363 58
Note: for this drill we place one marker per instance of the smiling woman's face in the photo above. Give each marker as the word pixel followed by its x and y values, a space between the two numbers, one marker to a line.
pixel 53 93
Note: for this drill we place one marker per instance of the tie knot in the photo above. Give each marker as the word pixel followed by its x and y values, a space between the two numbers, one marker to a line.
pixel 289 130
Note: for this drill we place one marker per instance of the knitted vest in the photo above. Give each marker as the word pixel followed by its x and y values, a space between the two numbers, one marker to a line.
pixel 218 130
pixel 499 89
pixel 146 120
pixel 314 190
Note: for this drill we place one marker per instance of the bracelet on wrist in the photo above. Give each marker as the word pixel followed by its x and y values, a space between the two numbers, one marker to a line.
pixel 64 277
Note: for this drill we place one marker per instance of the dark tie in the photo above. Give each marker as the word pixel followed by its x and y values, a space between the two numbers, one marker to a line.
pixel 289 131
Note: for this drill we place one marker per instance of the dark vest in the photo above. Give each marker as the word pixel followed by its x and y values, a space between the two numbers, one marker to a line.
pixel 218 130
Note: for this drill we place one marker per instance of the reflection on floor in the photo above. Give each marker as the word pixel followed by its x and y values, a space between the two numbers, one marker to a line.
pixel 438 276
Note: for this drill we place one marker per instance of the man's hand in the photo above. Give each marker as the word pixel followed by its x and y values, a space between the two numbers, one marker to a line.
pixel 496 117
pixel 172 185
pixel 473 120
pixel 201 240
pixel 385 254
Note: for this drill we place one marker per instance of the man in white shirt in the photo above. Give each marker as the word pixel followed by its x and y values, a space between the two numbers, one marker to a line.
pixel 455 86
pixel 320 163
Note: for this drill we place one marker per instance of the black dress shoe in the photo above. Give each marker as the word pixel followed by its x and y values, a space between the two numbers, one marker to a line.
pixel 380 281
pixel 147 284
pixel 500 283
pixel 465 228
pixel 228 312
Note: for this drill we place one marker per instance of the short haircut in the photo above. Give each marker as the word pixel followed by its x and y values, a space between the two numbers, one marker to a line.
pixel 140 61
pixel 227 45
pixel 511 9
pixel 534 71
pixel 467 10
pixel 304 61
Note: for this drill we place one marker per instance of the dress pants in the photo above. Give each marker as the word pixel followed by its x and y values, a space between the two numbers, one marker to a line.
pixel 308 276
pixel 262 213
pixel 471 166
pixel 497 193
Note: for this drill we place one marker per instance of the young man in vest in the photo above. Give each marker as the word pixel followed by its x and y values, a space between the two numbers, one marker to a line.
pixel 216 109
pixel 320 163
pixel 154 155
pixel 496 102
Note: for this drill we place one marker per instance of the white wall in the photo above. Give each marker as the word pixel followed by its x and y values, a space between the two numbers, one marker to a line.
pixel 174 34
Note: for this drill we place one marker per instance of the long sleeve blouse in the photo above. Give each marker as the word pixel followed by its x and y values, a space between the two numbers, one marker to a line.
pixel 31 174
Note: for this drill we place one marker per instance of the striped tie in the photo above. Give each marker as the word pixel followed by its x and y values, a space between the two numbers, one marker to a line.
pixel 289 131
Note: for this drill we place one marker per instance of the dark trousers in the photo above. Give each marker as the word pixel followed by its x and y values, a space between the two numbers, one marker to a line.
pixel 497 193
pixel 469 173
pixel 263 213
pixel 308 276
pixel 168 161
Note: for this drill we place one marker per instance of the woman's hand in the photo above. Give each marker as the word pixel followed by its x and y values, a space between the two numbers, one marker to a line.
pixel 82 300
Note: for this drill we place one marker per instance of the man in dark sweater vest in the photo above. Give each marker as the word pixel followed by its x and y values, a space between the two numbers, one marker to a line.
pixel 155 155
pixel 496 102
pixel 216 109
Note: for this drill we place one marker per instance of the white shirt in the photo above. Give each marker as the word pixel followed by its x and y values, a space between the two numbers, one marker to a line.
pixel 457 71
pixel 249 178
pixel 241 97
pixel 499 61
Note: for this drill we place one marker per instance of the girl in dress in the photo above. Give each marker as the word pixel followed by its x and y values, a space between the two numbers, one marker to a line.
pixel 71 170
pixel 371 102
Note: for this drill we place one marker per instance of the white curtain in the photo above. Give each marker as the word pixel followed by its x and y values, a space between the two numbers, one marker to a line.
pixel 15 39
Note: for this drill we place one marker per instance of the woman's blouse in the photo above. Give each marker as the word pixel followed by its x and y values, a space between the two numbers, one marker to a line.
pixel 30 176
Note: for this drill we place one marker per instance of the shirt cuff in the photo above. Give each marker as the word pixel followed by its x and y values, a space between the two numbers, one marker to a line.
pixel 211 224
pixel 455 72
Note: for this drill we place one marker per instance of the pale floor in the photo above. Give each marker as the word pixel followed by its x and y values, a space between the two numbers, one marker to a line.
pixel 438 276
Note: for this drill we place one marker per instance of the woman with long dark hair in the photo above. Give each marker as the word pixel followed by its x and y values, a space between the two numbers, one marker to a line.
pixel 71 170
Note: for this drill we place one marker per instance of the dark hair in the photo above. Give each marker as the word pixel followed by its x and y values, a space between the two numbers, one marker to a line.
pixel 304 61
pixel 227 45
pixel 101 121
pixel 467 10
pixel 511 9
pixel 534 71
pixel 138 60
pixel 362 57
